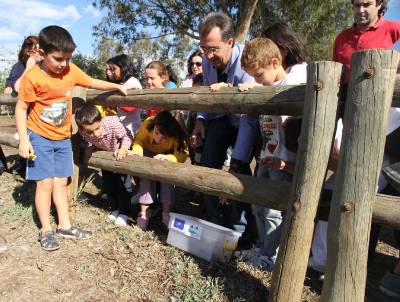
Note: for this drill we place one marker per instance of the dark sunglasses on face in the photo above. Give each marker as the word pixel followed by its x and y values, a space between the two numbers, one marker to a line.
pixel 198 64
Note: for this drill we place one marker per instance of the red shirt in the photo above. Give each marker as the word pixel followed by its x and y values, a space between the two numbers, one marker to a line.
pixel 383 34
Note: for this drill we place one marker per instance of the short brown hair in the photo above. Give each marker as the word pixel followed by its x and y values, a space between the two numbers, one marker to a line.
pixel 258 53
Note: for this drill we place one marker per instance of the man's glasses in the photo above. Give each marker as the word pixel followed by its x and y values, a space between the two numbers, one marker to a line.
pixel 211 49
pixel 198 64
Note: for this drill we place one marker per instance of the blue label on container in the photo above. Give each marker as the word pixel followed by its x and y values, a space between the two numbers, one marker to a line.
pixel 179 224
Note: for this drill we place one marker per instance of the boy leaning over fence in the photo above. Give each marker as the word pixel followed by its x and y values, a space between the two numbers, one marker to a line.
pixel 46 92
pixel 109 134
pixel 262 59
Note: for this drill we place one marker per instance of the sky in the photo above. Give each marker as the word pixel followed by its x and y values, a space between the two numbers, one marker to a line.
pixel 20 18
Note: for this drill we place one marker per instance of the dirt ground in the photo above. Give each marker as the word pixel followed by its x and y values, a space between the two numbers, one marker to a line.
pixel 127 264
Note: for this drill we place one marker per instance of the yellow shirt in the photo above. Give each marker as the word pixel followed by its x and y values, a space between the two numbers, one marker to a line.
pixel 144 141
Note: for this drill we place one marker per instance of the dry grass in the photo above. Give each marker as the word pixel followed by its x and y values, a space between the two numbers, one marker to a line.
pixel 124 264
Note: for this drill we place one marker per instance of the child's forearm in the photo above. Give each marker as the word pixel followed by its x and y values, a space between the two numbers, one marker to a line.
pixel 103 85
pixel 20 117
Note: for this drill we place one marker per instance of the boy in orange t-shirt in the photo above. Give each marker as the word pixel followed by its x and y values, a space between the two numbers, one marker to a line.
pixel 46 90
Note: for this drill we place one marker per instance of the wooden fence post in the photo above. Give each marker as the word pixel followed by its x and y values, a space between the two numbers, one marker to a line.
pixel 370 91
pixel 78 97
pixel 318 127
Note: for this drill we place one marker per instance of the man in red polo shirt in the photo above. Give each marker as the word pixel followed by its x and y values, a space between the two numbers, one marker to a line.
pixel 370 30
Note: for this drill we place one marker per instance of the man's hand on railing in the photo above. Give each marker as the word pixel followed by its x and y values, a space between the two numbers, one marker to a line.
pixel 218 86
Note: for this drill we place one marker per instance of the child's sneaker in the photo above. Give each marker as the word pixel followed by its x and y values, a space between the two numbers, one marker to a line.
pixel 74 232
pixel 165 219
pixel 48 241
pixel 113 215
pixel 122 220
pixel 142 223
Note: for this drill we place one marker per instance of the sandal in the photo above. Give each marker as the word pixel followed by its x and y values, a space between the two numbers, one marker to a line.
pixel 48 241
pixel 74 232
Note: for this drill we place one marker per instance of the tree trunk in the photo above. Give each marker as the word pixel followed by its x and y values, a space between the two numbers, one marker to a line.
pixel 247 8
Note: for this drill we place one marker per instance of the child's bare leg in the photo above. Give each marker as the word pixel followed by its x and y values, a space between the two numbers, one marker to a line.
pixel 144 210
pixel 43 201
pixel 61 201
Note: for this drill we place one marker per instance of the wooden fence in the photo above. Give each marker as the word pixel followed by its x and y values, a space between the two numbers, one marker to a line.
pixel 372 89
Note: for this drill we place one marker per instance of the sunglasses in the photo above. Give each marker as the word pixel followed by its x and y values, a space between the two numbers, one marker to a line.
pixel 198 64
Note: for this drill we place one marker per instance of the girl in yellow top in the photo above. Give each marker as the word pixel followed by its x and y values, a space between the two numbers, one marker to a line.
pixel 162 138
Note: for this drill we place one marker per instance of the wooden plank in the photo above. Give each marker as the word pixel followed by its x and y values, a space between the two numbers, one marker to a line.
pixel 372 77
pixel 273 100
pixel 317 133
pixel 268 193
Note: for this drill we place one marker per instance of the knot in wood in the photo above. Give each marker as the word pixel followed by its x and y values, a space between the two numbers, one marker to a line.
pixel 347 207
pixel 369 73
pixel 319 85
pixel 296 206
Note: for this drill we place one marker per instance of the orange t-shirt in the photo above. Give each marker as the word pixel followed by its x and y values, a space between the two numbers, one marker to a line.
pixel 50 100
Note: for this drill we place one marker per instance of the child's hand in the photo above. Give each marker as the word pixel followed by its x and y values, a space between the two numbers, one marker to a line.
pixel 218 86
pixel 160 157
pixel 7 91
pixel 247 86
pixel 123 89
pixel 25 149
pixel 273 163
pixel 120 153
pixel 133 152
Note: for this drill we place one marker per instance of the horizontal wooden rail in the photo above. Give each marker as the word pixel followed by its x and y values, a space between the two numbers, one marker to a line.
pixel 272 194
pixel 261 100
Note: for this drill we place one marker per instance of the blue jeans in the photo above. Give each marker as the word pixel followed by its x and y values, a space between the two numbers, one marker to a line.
pixel 221 134
pixel 269 221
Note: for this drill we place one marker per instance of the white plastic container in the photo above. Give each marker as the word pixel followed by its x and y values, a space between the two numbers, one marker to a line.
pixel 201 238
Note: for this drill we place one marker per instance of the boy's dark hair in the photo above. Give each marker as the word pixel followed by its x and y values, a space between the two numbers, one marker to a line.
pixel 125 63
pixel 30 43
pixel 220 20
pixel 168 126
pixel 198 80
pixel 286 39
pixel 88 114
pixel 55 38
pixel 292 131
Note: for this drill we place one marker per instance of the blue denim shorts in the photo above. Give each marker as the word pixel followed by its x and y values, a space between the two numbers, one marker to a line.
pixel 53 158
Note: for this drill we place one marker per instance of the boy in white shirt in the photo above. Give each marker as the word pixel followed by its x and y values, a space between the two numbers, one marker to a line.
pixel 262 59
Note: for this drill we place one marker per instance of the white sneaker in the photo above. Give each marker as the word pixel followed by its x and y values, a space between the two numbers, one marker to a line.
pixel 122 220
pixel 113 215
